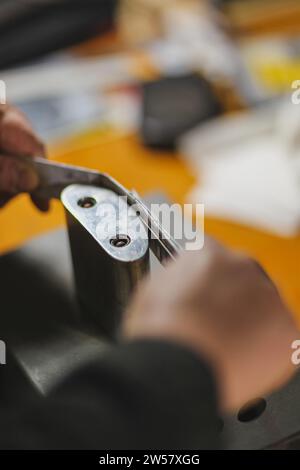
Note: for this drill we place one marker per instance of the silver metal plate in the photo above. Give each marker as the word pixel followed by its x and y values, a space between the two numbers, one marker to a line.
pixel 108 218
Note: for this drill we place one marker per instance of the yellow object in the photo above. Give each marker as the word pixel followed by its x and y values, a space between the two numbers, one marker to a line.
pixel 277 76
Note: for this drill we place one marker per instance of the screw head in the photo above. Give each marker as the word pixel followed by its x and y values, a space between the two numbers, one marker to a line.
pixel 120 241
pixel 87 202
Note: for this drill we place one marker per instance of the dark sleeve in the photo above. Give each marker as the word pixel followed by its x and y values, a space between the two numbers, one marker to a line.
pixel 144 395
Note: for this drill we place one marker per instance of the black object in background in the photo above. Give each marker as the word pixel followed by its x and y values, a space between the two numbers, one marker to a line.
pixel 32 28
pixel 172 106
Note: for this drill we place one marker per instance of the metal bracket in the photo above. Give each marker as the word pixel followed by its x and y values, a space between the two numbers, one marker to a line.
pixel 110 252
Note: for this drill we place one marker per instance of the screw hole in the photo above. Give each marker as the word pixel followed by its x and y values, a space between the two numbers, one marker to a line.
pixel 252 410
pixel 120 241
pixel 87 202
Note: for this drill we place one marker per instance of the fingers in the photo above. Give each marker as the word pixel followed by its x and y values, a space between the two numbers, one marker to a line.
pixel 4 198
pixel 42 204
pixel 15 177
pixel 17 136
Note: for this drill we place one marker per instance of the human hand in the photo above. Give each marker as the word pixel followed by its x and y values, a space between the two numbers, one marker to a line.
pixel 17 138
pixel 222 306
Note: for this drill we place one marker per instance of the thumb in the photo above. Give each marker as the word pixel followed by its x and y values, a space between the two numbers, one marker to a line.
pixel 17 136
pixel 16 177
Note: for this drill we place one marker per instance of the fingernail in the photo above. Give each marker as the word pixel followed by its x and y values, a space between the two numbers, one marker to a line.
pixel 27 180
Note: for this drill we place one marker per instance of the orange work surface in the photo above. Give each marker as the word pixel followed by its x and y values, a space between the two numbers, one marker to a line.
pixel 136 167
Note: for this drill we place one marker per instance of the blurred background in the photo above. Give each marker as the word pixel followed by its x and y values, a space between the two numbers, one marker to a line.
pixel 194 100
